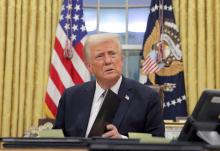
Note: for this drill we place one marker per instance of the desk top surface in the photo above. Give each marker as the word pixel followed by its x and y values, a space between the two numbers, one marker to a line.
pixel 96 144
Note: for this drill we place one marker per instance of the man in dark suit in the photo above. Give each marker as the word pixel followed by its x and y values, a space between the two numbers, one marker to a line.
pixel 139 109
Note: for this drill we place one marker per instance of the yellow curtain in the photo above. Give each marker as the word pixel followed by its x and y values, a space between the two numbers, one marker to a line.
pixel 199 25
pixel 27 31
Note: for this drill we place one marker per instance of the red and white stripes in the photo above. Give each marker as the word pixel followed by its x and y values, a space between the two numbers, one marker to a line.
pixel 64 72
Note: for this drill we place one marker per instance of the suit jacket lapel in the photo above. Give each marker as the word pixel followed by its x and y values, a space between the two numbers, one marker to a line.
pixel 126 97
pixel 87 97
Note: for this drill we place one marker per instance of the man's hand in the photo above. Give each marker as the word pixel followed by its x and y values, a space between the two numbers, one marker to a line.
pixel 112 132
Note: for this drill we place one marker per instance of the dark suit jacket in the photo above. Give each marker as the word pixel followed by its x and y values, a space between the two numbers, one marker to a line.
pixel 141 113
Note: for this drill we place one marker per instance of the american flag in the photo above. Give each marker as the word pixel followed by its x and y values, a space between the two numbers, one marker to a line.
pixel 150 63
pixel 166 64
pixel 67 66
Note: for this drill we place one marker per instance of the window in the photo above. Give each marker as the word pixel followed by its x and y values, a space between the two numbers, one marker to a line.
pixel 125 17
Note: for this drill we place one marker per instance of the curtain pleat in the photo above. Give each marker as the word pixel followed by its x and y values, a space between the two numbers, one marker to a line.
pixel 27 34
pixel 31 57
pixel 16 70
pixel 48 43
pixel 55 9
pixel 201 45
pixel 23 65
pixel 39 67
pixel 176 5
pixel 8 71
pixel 2 56
pixel 210 44
pixel 184 36
pixel 217 42
pixel 192 54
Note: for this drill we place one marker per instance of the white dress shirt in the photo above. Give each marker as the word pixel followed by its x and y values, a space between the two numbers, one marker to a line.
pixel 97 102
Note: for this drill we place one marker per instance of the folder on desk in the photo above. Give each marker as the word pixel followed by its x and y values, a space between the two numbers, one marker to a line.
pixel 148 138
pixel 106 113
pixel 51 133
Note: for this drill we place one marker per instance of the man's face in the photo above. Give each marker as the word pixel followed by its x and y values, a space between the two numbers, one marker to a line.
pixel 105 61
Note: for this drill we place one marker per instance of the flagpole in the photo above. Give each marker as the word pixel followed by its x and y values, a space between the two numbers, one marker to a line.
pixel 161 2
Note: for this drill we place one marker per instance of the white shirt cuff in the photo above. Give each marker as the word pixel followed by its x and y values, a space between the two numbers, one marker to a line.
pixel 124 137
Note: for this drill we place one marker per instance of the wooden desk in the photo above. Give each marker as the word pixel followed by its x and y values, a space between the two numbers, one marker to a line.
pixel 40 149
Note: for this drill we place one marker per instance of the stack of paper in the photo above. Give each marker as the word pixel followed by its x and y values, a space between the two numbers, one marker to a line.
pixel 148 138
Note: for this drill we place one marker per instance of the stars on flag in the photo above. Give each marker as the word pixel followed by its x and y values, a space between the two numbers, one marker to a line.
pixel 68 16
pixel 73 37
pixel 63 8
pixel 171 25
pixel 76 17
pixel 74 27
pixel 61 17
pixel 164 7
pixel 83 28
pixel 67 26
pixel 69 6
pixel 174 101
pixel 72 21
pixel 77 8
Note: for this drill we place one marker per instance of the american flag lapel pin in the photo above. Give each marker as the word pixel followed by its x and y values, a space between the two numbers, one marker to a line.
pixel 127 97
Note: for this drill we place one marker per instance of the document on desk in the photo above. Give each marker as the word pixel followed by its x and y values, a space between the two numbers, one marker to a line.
pixel 51 133
pixel 148 138
pixel 106 113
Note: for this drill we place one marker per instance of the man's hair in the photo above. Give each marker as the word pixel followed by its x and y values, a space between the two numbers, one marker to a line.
pixel 98 38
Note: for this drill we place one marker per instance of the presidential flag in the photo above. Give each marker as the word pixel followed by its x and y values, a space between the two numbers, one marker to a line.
pixel 162 61
pixel 67 66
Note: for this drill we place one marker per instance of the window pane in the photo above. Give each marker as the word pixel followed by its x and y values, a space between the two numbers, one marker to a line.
pixel 137 19
pixel 112 2
pixel 122 36
pixel 135 38
pixel 90 19
pixel 89 2
pixel 91 32
pixel 131 64
pixel 139 3
pixel 112 20
pixel 137 22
